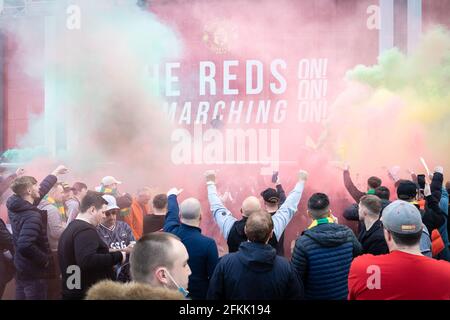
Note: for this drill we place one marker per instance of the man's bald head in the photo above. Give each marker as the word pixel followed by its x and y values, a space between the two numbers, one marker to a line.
pixel 250 205
pixel 190 209
pixel 144 195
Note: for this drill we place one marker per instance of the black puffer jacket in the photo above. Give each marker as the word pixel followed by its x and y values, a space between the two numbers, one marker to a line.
pixel 322 258
pixel 32 257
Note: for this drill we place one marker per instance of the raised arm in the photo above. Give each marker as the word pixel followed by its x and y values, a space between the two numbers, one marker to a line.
pixel 5 184
pixel 222 215
pixel 49 181
pixel 172 220
pixel 350 186
pixel 286 212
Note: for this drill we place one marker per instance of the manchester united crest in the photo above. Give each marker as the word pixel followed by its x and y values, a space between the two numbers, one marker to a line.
pixel 219 36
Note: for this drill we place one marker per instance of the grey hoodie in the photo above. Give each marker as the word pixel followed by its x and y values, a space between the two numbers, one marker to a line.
pixel 55 223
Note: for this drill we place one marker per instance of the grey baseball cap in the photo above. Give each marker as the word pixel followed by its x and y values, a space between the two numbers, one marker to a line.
pixel 402 217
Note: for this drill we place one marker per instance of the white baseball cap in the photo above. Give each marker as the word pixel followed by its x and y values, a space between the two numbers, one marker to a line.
pixel 108 180
pixel 112 204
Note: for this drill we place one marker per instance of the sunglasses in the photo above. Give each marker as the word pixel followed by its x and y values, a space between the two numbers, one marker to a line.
pixel 110 212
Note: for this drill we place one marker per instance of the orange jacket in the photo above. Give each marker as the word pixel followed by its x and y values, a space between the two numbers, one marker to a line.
pixel 437 244
pixel 136 218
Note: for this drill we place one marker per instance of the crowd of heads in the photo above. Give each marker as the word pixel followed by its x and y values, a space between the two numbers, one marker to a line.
pixel 161 259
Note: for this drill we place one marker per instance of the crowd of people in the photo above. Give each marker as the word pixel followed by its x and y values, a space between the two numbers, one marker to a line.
pixel 70 242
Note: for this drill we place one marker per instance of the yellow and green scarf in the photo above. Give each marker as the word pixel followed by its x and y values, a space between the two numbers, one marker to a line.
pixel 316 222
pixel 110 191
pixel 60 206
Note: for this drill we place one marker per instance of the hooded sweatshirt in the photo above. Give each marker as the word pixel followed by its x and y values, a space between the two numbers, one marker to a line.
pixel 254 272
pixel 322 258
pixel 55 223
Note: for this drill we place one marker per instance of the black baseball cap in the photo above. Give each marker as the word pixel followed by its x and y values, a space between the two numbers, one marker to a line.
pixel 271 195
pixel 406 190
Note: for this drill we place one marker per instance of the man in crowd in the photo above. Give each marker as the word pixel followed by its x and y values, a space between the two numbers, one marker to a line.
pixel 351 213
pixel 432 215
pixel 155 221
pixel 109 185
pixel 53 203
pixel 371 236
pixel 404 273
pixel 273 199
pixel 139 209
pixel 159 269
pixel 116 234
pixel 79 190
pixel 7 270
pixel 232 229
pixel 184 222
pixel 372 183
pixel 56 215
pixel 32 259
pixel 84 258
pixel 255 271
pixel 323 253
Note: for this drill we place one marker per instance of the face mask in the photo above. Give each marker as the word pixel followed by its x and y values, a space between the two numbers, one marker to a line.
pixel 183 291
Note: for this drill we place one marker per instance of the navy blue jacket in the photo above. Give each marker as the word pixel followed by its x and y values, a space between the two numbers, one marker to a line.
pixel 32 257
pixel 202 250
pixel 322 258
pixel 254 272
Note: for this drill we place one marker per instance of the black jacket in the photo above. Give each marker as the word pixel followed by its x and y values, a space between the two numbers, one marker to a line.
pixel 32 257
pixel 372 240
pixel 7 269
pixel 237 236
pixel 322 258
pixel 255 272
pixel 80 245
pixel 6 240
pixel 433 217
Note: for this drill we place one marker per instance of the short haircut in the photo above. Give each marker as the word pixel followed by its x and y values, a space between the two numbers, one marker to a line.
pixel 190 209
pixel 78 187
pixel 258 226
pixel 372 203
pixel 383 193
pixel 318 205
pixel 92 198
pixel 447 186
pixel 374 182
pixel 151 251
pixel 20 185
pixel 407 240
pixel 160 201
